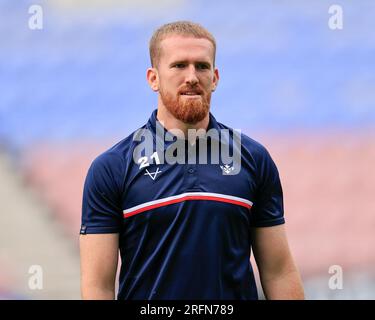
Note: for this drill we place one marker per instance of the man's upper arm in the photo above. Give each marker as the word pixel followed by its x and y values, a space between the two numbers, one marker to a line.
pixel 101 225
pixel 99 258
pixel 271 251
pixel 278 274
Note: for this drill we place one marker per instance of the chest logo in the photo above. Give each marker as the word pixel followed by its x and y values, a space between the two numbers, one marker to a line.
pixel 152 174
pixel 227 169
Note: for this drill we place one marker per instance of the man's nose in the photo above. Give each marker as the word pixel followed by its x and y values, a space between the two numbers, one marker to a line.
pixel 191 77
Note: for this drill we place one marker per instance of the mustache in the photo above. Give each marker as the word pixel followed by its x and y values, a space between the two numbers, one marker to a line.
pixel 195 89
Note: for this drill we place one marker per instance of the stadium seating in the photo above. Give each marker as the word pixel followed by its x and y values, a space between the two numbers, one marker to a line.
pixel 73 89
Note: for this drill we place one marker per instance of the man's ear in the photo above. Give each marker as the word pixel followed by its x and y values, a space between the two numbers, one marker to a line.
pixel 215 79
pixel 153 78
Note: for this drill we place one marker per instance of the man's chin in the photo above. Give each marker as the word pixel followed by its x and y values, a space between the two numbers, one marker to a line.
pixel 192 114
pixel 188 109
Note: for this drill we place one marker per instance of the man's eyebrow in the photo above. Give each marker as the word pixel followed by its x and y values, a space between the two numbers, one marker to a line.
pixel 177 62
pixel 186 61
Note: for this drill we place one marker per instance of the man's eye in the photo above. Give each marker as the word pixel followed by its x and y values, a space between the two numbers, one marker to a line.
pixel 202 66
pixel 179 65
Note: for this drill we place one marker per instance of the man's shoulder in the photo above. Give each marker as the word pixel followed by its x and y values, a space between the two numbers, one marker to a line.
pixel 249 144
pixel 118 154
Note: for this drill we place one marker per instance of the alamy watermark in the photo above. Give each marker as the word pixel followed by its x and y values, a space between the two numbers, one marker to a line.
pixel 36 19
pixel 336 20
pixel 336 281
pixel 36 277
pixel 224 149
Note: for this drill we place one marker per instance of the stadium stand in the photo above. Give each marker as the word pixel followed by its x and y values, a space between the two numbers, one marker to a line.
pixel 74 88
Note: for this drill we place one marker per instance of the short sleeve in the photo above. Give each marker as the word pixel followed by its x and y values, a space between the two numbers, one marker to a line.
pixel 101 204
pixel 268 207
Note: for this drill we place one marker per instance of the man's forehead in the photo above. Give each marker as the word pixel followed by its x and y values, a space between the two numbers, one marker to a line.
pixel 176 47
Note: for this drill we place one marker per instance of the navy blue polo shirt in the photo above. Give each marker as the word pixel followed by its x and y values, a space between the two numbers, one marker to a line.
pixel 184 228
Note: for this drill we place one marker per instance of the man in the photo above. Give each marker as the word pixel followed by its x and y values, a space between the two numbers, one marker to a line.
pixel 184 230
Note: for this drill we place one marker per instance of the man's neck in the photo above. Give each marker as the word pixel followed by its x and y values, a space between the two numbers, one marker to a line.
pixel 170 123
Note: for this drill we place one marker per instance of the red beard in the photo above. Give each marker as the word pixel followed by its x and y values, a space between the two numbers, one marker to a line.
pixel 184 109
